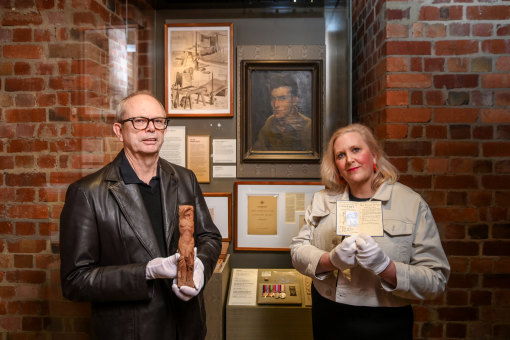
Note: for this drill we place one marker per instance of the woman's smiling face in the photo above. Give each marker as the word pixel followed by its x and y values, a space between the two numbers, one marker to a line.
pixel 355 162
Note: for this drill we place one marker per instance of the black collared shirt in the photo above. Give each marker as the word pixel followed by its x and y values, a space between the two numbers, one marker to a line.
pixel 151 195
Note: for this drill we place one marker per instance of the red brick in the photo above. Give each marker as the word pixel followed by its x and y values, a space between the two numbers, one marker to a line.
pixel 45 4
pixel 26 276
pixel 408 48
pixel 459 29
pixel 502 266
pixel 455 214
pixel 480 297
pixel 397 98
pixel 496 149
pixel 488 12
pixel 28 211
pixel 434 64
pixel 455 115
pixel 458 65
pixel 396 64
pixel 26 179
pixel 456 298
pixel 462 280
pixel 25 195
pixel 461 165
pixel 482 30
pixel 42 35
pixel 24 84
pixel 397 31
pixel 450 81
pixel 403 148
pixel 409 80
pixel 435 97
pixel 435 30
pixel 21 35
pixel 458 314
pixel 496 182
pixel 22 69
pixel 496 46
pixel 456 47
pixel 65 177
pixel 496 81
pixel 23 261
pixel 496 280
pixel 456 148
pixel 18 18
pixel 19 145
pixel 395 131
pixel 417 98
pixel 495 115
pixel 455 182
pixel 23 51
pixel 502 99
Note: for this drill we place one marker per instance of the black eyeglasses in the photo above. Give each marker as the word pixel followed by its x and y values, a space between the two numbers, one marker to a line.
pixel 141 123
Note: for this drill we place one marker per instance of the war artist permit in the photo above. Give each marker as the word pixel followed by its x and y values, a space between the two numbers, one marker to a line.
pixel 359 217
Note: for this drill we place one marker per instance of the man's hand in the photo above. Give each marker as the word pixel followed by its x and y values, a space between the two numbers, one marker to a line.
pixel 162 267
pixel 185 293
pixel 343 256
pixel 370 255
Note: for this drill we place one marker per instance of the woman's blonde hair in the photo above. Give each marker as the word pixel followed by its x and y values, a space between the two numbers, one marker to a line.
pixel 330 174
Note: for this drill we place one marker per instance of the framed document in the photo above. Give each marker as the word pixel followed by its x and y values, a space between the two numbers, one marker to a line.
pixel 198 157
pixel 220 208
pixel 269 214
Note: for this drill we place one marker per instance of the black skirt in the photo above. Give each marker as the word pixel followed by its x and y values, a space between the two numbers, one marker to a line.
pixel 333 320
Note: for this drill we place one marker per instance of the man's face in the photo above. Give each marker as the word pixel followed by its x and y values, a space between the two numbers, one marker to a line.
pixel 282 101
pixel 141 142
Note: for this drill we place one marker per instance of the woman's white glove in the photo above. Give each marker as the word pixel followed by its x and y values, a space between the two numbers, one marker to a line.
pixel 162 267
pixel 370 255
pixel 185 293
pixel 343 256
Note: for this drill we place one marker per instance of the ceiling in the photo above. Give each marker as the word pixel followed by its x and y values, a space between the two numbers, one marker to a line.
pixel 221 4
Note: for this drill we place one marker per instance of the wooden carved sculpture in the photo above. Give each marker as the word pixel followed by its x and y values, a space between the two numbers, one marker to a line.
pixel 186 246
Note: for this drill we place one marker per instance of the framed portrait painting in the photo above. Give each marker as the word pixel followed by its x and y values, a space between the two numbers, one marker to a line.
pixel 281 111
pixel 199 70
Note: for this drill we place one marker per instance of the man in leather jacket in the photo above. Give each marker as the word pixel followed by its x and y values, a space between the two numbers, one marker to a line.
pixel 119 231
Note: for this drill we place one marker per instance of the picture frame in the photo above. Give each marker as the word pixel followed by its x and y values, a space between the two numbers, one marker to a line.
pixel 263 213
pixel 281 111
pixel 220 207
pixel 199 70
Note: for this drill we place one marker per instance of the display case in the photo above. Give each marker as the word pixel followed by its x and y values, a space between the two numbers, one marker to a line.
pixel 268 304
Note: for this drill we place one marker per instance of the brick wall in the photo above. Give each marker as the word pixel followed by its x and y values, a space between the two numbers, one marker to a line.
pixel 63 67
pixel 433 80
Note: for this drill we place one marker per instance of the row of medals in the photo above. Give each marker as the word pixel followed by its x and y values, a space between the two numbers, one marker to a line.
pixel 274 291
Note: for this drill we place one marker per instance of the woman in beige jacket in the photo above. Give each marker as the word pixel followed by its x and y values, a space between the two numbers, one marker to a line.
pixel 362 285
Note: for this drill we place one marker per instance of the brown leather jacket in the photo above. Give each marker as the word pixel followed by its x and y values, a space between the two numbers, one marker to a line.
pixel 106 240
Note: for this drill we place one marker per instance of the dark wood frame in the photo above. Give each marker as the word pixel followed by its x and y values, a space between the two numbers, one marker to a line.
pixel 248 68
pixel 187 95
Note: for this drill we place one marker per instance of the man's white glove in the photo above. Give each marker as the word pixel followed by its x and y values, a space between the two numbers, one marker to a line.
pixel 370 255
pixel 162 267
pixel 343 256
pixel 185 293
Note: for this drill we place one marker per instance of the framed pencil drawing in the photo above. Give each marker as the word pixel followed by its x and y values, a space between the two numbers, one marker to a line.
pixel 220 208
pixel 281 111
pixel 199 70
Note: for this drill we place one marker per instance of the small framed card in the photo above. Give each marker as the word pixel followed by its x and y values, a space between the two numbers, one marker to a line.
pixel 359 217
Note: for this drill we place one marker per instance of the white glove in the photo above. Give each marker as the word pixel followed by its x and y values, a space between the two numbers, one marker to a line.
pixel 343 256
pixel 162 267
pixel 185 293
pixel 370 255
